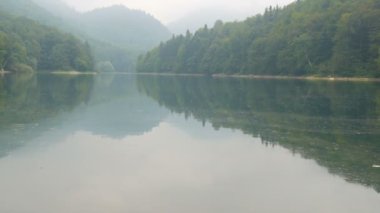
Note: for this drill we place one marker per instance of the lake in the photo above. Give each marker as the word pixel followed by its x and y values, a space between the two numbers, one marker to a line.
pixel 124 143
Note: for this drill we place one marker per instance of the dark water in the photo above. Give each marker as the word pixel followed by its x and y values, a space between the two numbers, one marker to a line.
pixel 119 143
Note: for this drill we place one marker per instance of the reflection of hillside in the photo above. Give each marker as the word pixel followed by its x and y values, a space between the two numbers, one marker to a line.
pixel 116 109
pixel 31 105
pixel 28 100
pixel 336 124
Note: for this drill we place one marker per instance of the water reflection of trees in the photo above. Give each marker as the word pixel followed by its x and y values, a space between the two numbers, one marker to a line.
pixel 116 109
pixel 108 105
pixel 28 99
pixel 336 124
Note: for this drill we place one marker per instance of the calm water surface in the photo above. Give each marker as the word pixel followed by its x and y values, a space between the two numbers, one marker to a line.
pixel 118 143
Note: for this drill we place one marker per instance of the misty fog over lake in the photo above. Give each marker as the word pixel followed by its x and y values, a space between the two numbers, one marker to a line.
pixel 189 106
pixel 126 144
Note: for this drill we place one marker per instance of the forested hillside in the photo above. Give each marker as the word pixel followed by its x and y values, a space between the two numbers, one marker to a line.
pixel 26 45
pixel 117 34
pixel 307 37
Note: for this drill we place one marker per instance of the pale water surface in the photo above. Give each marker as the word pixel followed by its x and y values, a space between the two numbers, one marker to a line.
pixel 119 143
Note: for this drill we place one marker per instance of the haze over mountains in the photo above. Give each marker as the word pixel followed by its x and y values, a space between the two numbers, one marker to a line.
pixel 122 26
pixel 116 34
pixel 58 8
pixel 198 19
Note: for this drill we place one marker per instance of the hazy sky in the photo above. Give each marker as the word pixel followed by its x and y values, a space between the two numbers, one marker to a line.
pixel 171 10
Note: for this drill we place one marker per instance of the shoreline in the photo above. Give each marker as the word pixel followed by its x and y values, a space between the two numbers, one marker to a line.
pixel 52 73
pixel 69 73
pixel 268 77
pixel 308 78
pixel 220 75
pixel 169 74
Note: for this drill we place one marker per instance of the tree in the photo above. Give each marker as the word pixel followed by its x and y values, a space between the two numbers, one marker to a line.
pixel 3 50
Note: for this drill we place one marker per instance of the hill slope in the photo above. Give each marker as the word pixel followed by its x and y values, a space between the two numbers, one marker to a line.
pixel 123 34
pixel 59 8
pixel 121 26
pixel 310 37
pixel 118 35
pixel 29 9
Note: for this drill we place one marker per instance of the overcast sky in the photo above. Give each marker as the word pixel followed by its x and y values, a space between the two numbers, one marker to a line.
pixel 171 10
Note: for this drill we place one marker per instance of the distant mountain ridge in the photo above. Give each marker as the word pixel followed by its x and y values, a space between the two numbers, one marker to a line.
pixel 202 17
pixel 122 26
pixel 29 9
pixel 58 8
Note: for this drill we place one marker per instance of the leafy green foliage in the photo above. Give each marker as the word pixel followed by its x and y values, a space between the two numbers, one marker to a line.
pixel 26 45
pixel 310 37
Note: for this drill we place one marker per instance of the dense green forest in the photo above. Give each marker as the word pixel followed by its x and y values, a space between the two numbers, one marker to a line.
pixel 305 38
pixel 336 124
pixel 26 45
